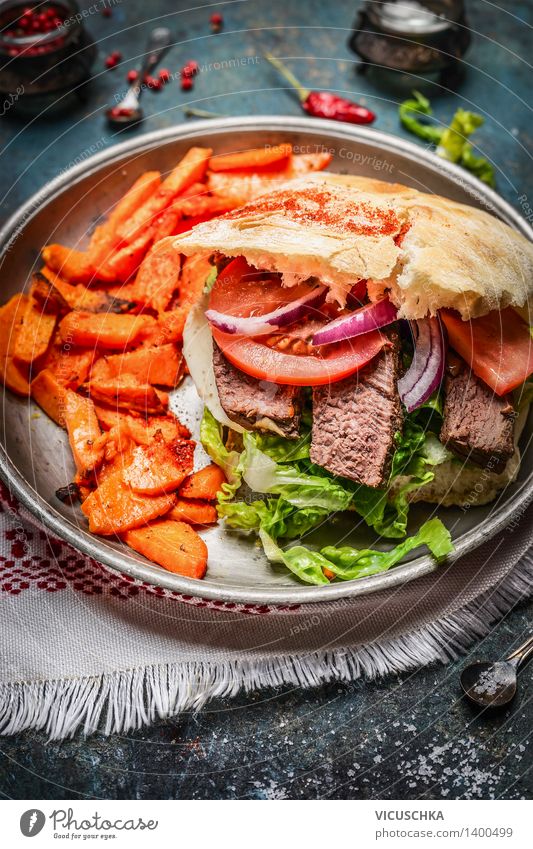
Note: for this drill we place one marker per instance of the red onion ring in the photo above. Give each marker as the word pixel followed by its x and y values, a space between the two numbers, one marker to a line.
pixel 255 325
pixel 425 373
pixel 369 317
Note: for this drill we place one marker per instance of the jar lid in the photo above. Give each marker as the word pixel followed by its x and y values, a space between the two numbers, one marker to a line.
pixel 414 17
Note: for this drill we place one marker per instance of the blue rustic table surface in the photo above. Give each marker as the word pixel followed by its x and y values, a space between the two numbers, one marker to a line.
pixel 408 736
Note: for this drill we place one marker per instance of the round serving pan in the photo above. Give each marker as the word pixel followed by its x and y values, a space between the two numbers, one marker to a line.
pixel 35 459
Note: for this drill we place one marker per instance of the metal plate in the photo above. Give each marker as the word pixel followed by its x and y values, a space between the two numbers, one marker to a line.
pixel 35 459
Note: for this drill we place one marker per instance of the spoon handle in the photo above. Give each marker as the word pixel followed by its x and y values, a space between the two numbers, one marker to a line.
pixel 157 46
pixel 522 652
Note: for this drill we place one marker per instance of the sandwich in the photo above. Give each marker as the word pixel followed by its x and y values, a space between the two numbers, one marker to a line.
pixel 361 346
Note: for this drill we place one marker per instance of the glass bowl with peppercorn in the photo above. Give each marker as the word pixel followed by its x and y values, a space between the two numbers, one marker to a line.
pixel 45 54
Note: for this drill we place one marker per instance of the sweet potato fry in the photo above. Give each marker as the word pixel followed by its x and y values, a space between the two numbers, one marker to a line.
pixel 127 392
pixel 161 365
pixel 142 189
pixel 160 467
pixel 255 159
pixel 35 333
pixel 173 545
pixel 112 332
pixel 158 275
pixel 165 224
pixel 185 224
pixel 12 374
pixel 50 395
pixel 73 265
pixel 204 484
pixel 242 187
pixel 105 236
pixel 193 511
pixel 189 170
pixel 194 273
pixel 124 262
pixel 83 432
pixel 114 508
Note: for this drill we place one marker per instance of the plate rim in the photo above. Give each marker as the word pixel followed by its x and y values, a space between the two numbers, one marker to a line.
pixel 140 569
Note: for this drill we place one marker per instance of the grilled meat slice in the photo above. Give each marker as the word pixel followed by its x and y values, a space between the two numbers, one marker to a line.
pixel 478 425
pixel 257 404
pixel 355 420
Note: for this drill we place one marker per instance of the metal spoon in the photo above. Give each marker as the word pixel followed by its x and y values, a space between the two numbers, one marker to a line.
pixel 494 684
pixel 128 111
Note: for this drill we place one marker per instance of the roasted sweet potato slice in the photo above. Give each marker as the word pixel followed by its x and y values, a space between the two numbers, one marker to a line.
pixel 173 545
pixel 204 484
pixel 114 508
pixel 169 327
pixel 113 332
pixel 127 392
pixel 13 375
pixel 79 297
pixel 189 170
pixel 71 366
pixel 193 511
pixel 142 430
pixel 158 276
pixel 84 432
pixel 161 365
pixel 35 334
pixel 50 395
pixel 47 295
pixel 160 467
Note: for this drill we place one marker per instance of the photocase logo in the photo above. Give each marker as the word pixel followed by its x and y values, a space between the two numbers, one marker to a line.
pixel 32 822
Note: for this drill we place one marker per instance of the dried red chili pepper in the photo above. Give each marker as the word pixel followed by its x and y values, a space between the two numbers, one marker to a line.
pixel 324 104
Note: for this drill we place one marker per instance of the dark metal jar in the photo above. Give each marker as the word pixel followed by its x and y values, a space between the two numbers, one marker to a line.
pixel 42 55
pixel 412 36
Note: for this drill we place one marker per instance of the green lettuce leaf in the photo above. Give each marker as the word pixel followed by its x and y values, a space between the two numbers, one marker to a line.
pixel 274 515
pixel 299 496
pixel 347 562
pixel 229 461
pixel 284 450
pixel 306 564
pixel 388 515
pixel 298 487
pixel 210 280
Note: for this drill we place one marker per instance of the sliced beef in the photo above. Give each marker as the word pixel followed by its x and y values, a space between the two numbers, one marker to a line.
pixel 478 425
pixel 356 419
pixel 257 404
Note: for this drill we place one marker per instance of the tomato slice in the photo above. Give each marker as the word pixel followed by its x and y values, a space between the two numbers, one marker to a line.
pixel 498 347
pixel 332 363
pixel 242 290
